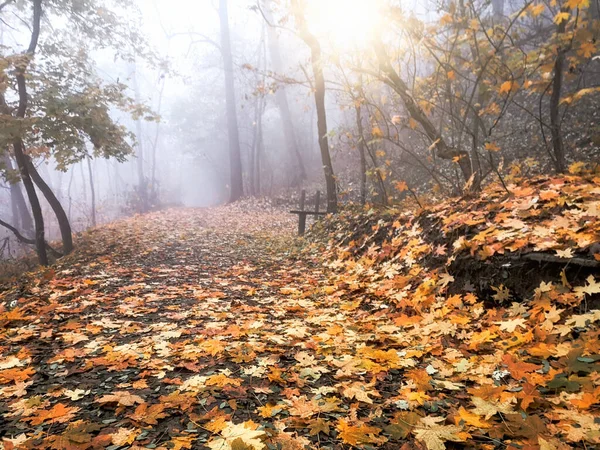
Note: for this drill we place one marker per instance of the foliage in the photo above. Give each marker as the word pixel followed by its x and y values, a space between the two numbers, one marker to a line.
pixel 71 108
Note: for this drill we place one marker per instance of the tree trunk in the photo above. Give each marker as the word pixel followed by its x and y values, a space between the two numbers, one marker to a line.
pixel 498 9
pixel 363 156
pixel 21 68
pixel 319 88
pixel 36 208
pixel 92 190
pixel 154 194
pixel 442 150
pixel 63 220
pixel 143 185
pixel 557 140
pixel 235 158
pixel 21 215
pixel 281 100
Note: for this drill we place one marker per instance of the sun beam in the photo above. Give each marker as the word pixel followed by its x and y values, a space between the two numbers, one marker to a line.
pixel 346 23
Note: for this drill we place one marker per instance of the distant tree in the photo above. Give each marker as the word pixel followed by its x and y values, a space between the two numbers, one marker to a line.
pixel 298 8
pixel 281 99
pixel 235 158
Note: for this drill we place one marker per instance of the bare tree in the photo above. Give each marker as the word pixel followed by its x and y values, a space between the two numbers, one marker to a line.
pixel 319 90
pixel 235 159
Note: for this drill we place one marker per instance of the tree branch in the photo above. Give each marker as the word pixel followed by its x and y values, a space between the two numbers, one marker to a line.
pixel 5 4
pixel 545 257
pixel 27 241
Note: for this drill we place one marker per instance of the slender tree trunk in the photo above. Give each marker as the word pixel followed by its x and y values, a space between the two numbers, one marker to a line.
pixel 14 208
pixel 154 194
pixel 92 190
pixel 498 9
pixel 63 220
pixel 235 158
pixel 557 82
pixel 281 100
pixel 36 208
pixel 143 185
pixel 29 173
pixel 363 157
pixel 319 88
pixel 323 130
pixel 21 215
pixel 21 68
pixel 69 192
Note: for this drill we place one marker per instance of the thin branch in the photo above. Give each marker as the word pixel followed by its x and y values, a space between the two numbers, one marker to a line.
pixel 27 241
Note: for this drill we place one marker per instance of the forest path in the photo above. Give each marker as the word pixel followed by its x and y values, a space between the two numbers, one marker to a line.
pixel 170 330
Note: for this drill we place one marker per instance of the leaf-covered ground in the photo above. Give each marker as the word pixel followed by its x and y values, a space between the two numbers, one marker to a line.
pixel 473 324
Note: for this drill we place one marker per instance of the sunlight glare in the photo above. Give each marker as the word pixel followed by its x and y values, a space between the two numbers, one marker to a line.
pixel 347 23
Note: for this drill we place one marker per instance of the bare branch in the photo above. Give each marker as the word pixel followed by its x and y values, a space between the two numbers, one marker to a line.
pixel 27 241
pixel 5 4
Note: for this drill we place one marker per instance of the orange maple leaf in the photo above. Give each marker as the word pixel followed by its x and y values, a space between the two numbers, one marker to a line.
pixel 58 414
pixel 360 434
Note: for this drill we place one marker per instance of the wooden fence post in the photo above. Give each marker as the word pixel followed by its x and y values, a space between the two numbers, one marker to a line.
pixel 302 221
pixel 317 201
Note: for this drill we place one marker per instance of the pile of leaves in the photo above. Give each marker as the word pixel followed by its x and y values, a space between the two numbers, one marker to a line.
pixel 207 329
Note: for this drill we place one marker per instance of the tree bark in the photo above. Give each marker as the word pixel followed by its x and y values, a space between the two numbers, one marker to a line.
pixel 319 88
pixel 555 129
pixel 92 190
pixel 442 149
pixel 21 215
pixel 363 157
pixel 63 220
pixel 21 68
pixel 143 184
pixel 235 158
pixel 281 100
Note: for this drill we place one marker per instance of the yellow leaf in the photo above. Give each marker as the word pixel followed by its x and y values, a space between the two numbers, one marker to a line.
pixel 488 409
pixel 507 87
pixel 360 434
pixel 124 436
pixel 413 123
pixel 578 4
pixel 376 131
pixel 511 325
pixel 435 436
pixel 472 419
pixel 492 147
pixel 561 17
pixel 446 19
pixel 577 168
pixel 359 392
pixel 536 10
pixel 180 442
pixel 451 75
pixel 239 436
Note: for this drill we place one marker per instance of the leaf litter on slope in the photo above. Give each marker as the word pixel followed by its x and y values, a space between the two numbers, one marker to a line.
pixel 203 329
